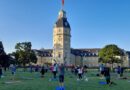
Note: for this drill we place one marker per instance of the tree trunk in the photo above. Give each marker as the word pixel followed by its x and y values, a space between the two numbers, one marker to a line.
pixel 24 67
pixel 112 67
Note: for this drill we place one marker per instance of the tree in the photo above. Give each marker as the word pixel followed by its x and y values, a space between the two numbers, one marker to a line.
pixel 33 57
pixel 4 59
pixel 24 54
pixel 110 54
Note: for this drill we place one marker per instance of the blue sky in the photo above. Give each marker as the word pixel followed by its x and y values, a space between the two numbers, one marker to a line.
pixel 94 23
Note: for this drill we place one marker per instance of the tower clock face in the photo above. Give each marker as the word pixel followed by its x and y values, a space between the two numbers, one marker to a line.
pixel 59 39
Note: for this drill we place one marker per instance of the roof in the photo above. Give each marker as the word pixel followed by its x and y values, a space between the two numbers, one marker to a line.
pixel 76 52
pixel 128 53
pixel 44 53
pixel 88 52
pixel 85 52
pixel 62 22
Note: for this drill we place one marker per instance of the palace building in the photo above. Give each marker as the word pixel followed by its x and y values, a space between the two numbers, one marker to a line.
pixel 62 51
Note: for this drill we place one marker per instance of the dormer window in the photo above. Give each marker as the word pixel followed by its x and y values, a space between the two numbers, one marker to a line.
pixel 89 54
pixel 66 23
pixel 59 55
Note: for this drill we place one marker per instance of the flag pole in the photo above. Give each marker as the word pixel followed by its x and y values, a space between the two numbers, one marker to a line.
pixel 62 4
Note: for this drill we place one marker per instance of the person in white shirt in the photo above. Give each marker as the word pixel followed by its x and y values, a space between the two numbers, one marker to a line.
pixel 80 72
pixel 54 70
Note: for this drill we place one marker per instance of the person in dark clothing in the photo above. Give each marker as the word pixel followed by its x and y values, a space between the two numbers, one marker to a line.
pixel 76 70
pixel 30 68
pixel 72 69
pixel 42 71
pixel 85 68
pixel 101 68
pixel 46 68
pixel 0 71
pixel 122 71
pixel 61 75
pixel 119 71
pixel 37 68
pixel 107 75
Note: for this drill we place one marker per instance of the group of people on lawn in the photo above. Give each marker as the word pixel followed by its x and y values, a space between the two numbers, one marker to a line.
pixel 12 69
pixel 77 70
pixel 105 72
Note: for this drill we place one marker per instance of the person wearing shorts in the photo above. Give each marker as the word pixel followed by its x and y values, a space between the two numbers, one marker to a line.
pixel 107 75
pixel 42 72
pixel 54 70
pixel 101 71
pixel 61 78
pixel 13 71
pixel 61 75
pixel 80 72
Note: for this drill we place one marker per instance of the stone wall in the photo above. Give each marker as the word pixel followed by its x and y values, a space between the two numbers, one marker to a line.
pixel 43 60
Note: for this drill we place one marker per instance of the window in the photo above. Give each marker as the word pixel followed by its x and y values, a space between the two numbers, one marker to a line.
pixel 89 54
pixel 59 55
pixel 59 38
pixel 59 30
pixel 66 42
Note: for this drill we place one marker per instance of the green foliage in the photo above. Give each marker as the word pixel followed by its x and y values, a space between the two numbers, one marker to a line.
pixel 33 57
pixel 24 55
pixel 4 61
pixel 110 54
pixel 2 52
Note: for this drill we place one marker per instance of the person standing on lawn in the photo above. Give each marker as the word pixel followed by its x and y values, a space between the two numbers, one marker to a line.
pixel 55 70
pixel 13 70
pixel 118 71
pixel 80 72
pixel 107 75
pixel 61 75
pixel 42 71
pixel 101 68
pixel 122 71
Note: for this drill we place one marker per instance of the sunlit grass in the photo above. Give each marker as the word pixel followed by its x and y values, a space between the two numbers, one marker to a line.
pixel 32 81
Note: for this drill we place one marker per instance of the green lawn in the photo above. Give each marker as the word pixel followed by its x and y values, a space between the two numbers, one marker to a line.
pixel 31 81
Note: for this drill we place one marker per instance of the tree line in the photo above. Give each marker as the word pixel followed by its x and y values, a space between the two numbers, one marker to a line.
pixel 22 56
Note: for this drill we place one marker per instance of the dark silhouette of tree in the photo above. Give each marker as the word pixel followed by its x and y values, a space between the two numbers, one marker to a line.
pixel 4 59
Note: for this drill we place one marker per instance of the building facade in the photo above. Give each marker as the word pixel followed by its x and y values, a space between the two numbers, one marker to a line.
pixel 62 51
pixel 87 57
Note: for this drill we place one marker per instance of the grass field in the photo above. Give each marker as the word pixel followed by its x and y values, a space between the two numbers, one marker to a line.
pixel 32 81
